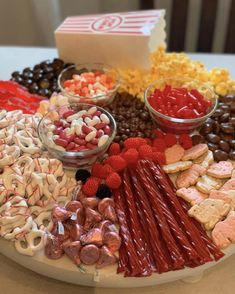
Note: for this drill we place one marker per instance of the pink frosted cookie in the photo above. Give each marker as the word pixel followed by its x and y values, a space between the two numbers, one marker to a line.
pixel 223 233
pixel 220 170
pixel 195 152
pixel 191 195
pixel 226 196
pixel 174 154
pixel 190 176
pixel 229 185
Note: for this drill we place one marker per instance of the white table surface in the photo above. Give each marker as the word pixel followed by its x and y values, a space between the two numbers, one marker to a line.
pixel 14 279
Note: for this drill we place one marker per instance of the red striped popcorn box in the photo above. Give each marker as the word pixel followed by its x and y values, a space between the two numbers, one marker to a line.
pixel 119 39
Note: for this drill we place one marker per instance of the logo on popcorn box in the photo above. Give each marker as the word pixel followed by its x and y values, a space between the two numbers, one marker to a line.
pixel 106 23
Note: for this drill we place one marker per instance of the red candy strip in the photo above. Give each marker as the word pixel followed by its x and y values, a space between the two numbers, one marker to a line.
pixel 159 250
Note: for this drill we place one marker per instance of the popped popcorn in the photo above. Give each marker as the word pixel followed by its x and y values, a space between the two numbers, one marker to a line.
pixel 168 65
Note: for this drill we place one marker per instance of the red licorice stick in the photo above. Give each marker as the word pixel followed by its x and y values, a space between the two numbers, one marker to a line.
pixel 134 262
pixel 214 250
pixel 123 262
pixel 174 226
pixel 179 213
pixel 134 225
pixel 159 250
pixel 174 251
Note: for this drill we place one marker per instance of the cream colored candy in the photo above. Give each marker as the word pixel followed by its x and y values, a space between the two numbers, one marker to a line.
pixel 90 136
pixel 205 160
pixel 103 140
pixel 191 195
pixel 223 233
pixel 209 212
pixel 104 118
pixel 92 110
pixel 190 176
pixel 195 152
pixel 220 170
pixel 177 166
pixel 206 183
pixel 174 154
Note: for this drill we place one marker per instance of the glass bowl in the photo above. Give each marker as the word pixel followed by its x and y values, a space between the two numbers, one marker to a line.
pixel 100 100
pixel 72 159
pixel 180 125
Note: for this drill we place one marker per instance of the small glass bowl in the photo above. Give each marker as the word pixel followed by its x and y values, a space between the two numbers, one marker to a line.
pixel 100 100
pixel 72 160
pixel 180 125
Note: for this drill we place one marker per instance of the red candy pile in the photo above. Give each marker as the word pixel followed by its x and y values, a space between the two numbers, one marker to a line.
pixel 13 96
pixel 179 102
pixel 89 84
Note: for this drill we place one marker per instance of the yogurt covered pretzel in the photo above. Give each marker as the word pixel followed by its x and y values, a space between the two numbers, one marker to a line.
pixel 10 117
pixel 27 143
pixel 29 240
pixel 8 155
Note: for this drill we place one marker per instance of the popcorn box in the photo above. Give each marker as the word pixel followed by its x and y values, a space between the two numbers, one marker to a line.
pixel 119 39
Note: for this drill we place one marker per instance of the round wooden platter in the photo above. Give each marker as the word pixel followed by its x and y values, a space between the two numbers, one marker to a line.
pixel 64 270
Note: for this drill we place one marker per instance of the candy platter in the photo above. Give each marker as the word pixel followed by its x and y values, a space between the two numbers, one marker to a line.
pixel 63 270
pixel 119 219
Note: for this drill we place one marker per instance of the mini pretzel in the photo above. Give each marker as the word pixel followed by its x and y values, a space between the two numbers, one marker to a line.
pixel 25 164
pixel 27 143
pixel 6 135
pixel 15 182
pixel 8 155
pixel 8 118
pixel 40 221
pixel 29 240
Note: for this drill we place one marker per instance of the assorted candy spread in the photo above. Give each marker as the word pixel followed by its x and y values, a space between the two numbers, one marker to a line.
pixel 143 199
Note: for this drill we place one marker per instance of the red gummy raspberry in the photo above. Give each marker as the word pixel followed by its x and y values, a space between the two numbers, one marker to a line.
pixel 113 181
pixel 158 133
pixel 91 186
pixel 185 141
pixel 134 142
pixel 160 144
pixel 131 156
pixel 170 139
pixel 96 168
pixel 105 171
pixel 117 162
pixel 114 149
pixel 145 151
pixel 159 157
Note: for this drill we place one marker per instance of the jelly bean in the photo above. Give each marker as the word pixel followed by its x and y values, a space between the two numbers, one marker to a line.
pixel 90 136
pixel 68 113
pixel 92 110
pixel 70 146
pixel 103 140
pixel 91 146
pixel 107 130
pixel 104 118
pixel 79 141
pixel 86 129
pixel 61 142
pixel 99 133
pixel 100 125
pixel 94 141
pixel 58 123
pixel 97 113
